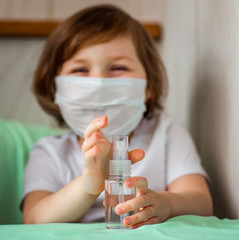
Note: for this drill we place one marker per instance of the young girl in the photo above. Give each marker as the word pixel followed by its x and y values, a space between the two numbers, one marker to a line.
pixel 100 74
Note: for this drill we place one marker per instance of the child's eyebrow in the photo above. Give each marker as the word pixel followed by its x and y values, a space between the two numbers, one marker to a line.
pixel 121 57
pixel 115 58
pixel 80 60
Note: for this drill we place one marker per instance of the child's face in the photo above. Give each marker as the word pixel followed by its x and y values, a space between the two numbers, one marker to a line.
pixel 113 59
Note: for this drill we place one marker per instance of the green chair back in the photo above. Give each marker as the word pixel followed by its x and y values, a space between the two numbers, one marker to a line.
pixel 16 141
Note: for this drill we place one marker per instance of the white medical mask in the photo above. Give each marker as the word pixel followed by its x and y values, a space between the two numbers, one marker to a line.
pixel 82 99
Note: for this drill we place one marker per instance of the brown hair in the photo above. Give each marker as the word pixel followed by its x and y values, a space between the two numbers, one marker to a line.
pixel 91 26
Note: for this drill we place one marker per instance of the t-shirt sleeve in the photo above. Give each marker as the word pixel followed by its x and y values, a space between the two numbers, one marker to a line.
pixel 181 154
pixel 41 172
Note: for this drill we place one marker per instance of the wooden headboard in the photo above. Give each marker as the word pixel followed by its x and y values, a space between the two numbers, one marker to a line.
pixel 44 28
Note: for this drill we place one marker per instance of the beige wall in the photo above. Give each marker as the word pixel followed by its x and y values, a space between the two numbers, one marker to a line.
pixel 218 61
pixel 200 51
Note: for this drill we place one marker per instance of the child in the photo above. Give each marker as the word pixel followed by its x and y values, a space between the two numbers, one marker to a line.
pixel 100 74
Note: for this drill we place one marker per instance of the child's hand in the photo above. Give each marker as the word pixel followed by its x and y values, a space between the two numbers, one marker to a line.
pixel 97 152
pixel 151 207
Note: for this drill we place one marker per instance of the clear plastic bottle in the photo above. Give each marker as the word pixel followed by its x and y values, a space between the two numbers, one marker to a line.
pixel 115 190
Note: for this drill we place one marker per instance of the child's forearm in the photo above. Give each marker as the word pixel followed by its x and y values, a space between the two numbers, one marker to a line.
pixel 188 202
pixel 69 204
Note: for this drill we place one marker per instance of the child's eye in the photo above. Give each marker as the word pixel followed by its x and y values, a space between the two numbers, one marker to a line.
pixel 119 68
pixel 80 70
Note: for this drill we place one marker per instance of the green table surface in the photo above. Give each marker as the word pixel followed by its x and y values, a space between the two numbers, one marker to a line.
pixel 183 227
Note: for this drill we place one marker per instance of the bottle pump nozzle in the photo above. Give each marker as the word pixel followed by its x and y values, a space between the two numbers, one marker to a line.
pixel 120 147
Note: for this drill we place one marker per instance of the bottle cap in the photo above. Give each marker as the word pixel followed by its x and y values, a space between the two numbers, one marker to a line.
pixel 120 167
pixel 120 164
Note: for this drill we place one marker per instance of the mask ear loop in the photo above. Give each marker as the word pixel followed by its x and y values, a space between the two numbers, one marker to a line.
pixel 149 101
pixel 60 120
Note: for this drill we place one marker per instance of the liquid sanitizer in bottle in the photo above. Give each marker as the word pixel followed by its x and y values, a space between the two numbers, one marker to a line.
pixel 115 190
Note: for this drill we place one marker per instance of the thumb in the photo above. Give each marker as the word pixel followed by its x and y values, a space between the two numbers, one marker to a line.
pixel 136 155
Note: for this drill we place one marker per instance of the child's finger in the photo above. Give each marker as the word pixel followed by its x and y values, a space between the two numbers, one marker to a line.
pixel 95 126
pixel 140 202
pixel 149 221
pixel 90 157
pixel 140 183
pixel 91 141
pixel 136 155
pixel 146 213
pixel 98 154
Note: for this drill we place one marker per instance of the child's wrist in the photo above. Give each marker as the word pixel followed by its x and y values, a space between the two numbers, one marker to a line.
pixel 89 194
pixel 168 208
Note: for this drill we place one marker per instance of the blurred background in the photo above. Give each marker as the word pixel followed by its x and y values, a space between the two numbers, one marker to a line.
pixel 200 49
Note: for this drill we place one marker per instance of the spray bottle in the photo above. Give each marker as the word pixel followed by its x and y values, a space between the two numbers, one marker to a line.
pixel 115 190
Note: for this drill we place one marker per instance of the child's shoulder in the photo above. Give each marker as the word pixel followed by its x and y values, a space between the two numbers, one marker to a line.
pixel 161 124
pixel 57 143
pixel 174 129
pixel 155 131
pixel 160 120
pixel 57 138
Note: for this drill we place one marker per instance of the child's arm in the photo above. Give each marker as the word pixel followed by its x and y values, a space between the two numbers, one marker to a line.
pixel 69 204
pixel 186 195
pixel 72 202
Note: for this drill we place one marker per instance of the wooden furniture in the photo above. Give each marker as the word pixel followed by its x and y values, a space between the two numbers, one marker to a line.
pixel 44 28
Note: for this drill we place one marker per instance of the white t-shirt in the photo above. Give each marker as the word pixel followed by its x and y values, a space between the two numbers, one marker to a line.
pixel 169 154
